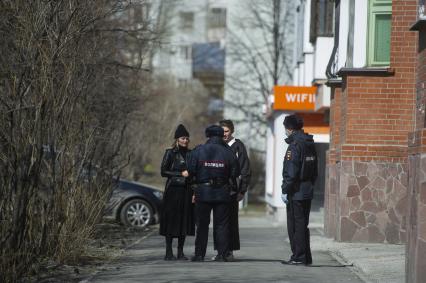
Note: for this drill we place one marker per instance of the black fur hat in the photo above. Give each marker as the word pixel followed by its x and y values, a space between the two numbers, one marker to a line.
pixel 293 122
pixel 181 132
pixel 214 130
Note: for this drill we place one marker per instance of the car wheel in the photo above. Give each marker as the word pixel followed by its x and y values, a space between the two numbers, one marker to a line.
pixel 136 213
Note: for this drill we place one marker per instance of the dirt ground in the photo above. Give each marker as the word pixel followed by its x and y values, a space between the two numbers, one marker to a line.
pixel 108 244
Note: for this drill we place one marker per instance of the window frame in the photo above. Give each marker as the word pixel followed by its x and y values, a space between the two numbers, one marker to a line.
pixel 376 7
pixel 186 19
pixel 217 17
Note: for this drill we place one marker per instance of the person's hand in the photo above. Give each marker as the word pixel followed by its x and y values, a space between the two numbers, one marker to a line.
pixel 185 173
pixel 240 197
pixel 193 198
pixel 284 198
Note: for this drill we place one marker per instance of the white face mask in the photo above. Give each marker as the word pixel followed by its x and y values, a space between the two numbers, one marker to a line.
pixel 288 132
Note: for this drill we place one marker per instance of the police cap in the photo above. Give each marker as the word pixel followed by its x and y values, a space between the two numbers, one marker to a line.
pixel 214 131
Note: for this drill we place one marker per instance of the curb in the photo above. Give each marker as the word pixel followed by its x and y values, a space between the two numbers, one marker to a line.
pixel 339 257
pixel 351 265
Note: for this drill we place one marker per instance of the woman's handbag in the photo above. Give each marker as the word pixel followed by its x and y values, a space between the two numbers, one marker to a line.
pixel 177 181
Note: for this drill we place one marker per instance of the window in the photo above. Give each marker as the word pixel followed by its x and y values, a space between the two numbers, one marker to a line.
pixel 217 18
pixel 140 12
pixel 186 52
pixel 351 35
pixel 379 32
pixel 421 15
pixel 300 17
pixel 322 16
pixel 183 82
pixel 186 20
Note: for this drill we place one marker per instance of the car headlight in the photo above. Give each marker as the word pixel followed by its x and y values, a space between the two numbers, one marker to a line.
pixel 158 194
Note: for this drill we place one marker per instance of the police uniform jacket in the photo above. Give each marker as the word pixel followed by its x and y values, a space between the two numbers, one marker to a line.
pixel 300 168
pixel 215 168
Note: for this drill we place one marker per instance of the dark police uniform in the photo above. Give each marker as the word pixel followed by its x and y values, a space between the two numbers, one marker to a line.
pixel 216 169
pixel 300 171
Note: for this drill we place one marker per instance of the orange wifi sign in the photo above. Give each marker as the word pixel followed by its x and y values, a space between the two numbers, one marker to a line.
pixel 300 98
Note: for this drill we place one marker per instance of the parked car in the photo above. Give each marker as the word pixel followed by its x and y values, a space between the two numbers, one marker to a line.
pixel 134 204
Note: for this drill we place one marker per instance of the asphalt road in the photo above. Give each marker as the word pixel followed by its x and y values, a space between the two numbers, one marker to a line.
pixel 263 246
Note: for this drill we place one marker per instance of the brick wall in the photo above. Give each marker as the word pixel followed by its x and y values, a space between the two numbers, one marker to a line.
pixel 368 164
pixel 331 187
pixel 416 223
pixel 335 114
pixel 379 109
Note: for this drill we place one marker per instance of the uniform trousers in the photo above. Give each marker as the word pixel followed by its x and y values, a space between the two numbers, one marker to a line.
pixel 298 232
pixel 221 226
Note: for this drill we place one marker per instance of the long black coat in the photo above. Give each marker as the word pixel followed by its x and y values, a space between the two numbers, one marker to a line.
pixel 240 151
pixel 177 216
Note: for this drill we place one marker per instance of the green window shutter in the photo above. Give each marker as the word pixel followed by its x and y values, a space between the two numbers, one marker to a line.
pixel 379 32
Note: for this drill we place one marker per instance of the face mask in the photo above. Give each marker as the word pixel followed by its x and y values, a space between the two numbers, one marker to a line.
pixel 288 133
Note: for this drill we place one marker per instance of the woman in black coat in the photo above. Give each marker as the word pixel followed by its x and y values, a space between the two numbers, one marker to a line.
pixel 177 217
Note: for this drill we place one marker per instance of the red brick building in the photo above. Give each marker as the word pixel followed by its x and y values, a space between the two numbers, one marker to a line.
pixel 376 165
pixel 372 112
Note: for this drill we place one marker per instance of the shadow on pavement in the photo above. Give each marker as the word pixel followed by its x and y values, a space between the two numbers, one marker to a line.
pixel 280 261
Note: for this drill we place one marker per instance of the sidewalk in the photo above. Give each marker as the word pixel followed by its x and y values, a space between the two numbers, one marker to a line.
pixel 259 260
pixel 264 243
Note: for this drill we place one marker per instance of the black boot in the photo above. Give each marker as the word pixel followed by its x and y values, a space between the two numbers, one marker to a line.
pixel 169 250
pixel 197 258
pixel 180 254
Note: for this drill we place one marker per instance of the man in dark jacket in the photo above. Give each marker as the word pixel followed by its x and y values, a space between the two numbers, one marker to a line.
pixel 215 168
pixel 240 151
pixel 300 171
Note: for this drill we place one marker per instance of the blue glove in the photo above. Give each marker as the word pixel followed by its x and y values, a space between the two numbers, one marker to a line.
pixel 284 198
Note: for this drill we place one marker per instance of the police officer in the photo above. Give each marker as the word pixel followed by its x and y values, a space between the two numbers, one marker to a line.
pixel 215 168
pixel 300 171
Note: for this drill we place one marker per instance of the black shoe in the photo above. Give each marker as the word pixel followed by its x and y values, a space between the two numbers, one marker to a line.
pixel 292 262
pixel 219 258
pixel 197 258
pixel 215 257
pixel 181 256
pixel 230 257
pixel 222 258
pixel 169 257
